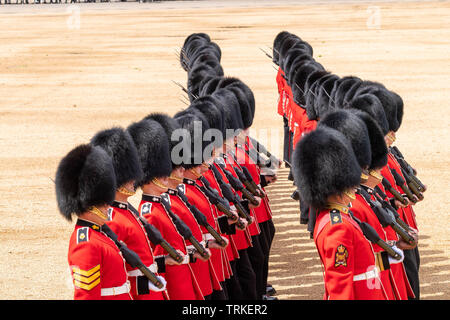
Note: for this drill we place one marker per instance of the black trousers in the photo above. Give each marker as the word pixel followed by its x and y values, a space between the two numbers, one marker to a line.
pixel 220 294
pixel 266 239
pixel 412 264
pixel 232 284
pixel 257 259
pixel 246 276
pixel 286 142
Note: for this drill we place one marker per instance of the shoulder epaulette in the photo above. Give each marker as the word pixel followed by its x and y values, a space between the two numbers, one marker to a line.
pixel 146 208
pixel 335 216
pixel 83 235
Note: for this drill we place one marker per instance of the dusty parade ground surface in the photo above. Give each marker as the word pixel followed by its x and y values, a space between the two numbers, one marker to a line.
pixel 67 72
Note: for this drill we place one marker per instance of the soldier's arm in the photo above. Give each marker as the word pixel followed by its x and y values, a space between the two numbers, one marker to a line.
pixel 85 264
pixel 339 262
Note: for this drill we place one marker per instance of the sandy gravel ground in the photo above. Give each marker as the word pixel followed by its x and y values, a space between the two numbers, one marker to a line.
pixel 67 72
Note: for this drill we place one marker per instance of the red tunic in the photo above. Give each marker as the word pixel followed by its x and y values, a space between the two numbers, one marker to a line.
pixel 347 258
pixel 130 230
pixel 181 281
pixel 262 212
pixel 257 175
pixel 297 121
pixel 398 271
pixel 201 201
pixel 306 125
pixel 232 252
pixel 241 239
pixel 287 106
pixel 253 228
pixel 407 214
pixel 361 210
pixel 203 270
pixel 281 83
pixel 96 264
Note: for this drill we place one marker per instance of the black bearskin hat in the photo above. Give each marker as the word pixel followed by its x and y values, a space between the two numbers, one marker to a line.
pixel 231 110
pixel 299 81
pixel 322 101
pixel 214 114
pixel 209 86
pixel 354 129
pixel 399 103
pixel 341 89
pixel 153 149
pixel 297 65
pixel 350 92
pixel 120 147
pixel 324 164
pixel 286 45
pixel 312 93
pixel 390 106
pixel 232 82
pixel 194 143
pixel 245 109
pixel 277 44
pixel 378 146
pixel 371 104
pixel 84 178
pixel 169 124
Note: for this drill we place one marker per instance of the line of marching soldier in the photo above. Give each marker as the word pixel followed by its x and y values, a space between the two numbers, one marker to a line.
pixel 355 188
pixel 203 228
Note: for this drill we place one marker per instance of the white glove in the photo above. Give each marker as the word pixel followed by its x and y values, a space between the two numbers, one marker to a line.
pixel 152 287
pixel 400 252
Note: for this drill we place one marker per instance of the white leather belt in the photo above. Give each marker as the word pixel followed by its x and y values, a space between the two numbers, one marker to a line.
pixel 114 291
pixel 185 259
pixel 366 275
pixel 191 247
pixel 135 273
pixel 207 237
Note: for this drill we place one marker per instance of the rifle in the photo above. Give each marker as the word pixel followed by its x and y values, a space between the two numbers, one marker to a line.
pixel 399 181
pixel 184 230
pixel 201 219
pixel 262 149
pixel 247 179
pixel 370 233
pixel 155 236
pixel 216 199
pixel 411 184
pixel 397 154
pixel 388 186
pixel 408 168
pixel 386 218
pixel 131 257
pixel 380 195
pixel 237 185
pixel 229 195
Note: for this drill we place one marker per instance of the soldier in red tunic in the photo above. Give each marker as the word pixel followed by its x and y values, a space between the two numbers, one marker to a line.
pixel 328 172
pixel 85 187
pixel 193 120
pixel 129 229
pixel 153 148
pixel 362 130
pixel 393 107
pixel 371 105
pixel 203 268
pixel 282 95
